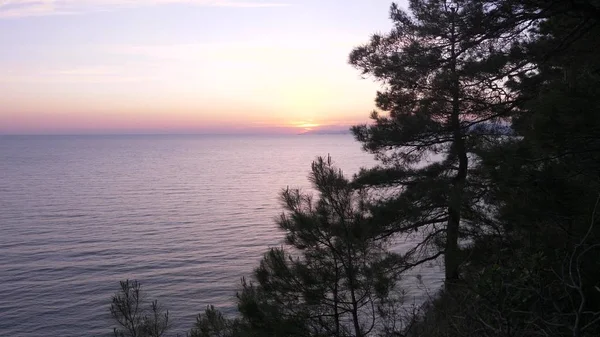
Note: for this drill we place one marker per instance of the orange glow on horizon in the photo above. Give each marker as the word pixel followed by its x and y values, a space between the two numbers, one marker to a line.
pixel 306 125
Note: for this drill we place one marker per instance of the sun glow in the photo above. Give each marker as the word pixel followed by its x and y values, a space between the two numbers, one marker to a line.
pixel 307 125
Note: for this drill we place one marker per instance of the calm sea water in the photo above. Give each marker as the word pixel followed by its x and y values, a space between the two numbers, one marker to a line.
pixel 185 215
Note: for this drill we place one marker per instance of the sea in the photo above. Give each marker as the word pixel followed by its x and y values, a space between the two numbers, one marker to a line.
pixel 186 215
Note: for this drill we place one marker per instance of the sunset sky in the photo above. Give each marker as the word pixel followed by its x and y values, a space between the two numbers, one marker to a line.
pixel 185 66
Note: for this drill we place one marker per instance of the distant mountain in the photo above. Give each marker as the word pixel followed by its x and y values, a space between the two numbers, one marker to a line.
pixel 482 128
pixel 335 130
pixel 492 128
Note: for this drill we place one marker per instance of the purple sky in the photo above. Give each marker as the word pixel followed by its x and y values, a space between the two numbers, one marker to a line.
pixel 94 66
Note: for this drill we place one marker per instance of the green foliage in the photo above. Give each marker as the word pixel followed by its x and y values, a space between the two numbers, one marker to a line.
pixel 212 323
pixel 338 276
pixel 444 69
pixel 539 275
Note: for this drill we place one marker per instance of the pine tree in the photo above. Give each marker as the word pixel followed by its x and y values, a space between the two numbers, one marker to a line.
pixel 332 279
pixel 443 68
pixel 135 317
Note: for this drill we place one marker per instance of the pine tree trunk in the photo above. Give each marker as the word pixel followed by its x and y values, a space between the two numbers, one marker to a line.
pixel 451 256
pixel 451 252
pixel 355 320
pixel 336 314
pixel 352 280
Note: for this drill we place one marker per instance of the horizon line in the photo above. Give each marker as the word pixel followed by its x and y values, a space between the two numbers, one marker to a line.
pixel 318 133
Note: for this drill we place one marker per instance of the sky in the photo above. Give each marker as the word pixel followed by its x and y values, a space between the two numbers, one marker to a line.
pixel 184 66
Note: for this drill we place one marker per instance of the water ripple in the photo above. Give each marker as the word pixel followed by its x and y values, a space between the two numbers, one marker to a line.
pixel 186 215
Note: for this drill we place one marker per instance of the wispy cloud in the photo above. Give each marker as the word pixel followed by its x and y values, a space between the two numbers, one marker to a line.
pixel 75 75
pixel 25 8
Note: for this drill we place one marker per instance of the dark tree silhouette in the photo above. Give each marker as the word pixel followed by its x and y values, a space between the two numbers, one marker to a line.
pixel 136 318
pixel 443 67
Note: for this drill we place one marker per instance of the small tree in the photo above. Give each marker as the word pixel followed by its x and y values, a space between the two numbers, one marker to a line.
pixel 341 280
pixel 212 323
pixel 135 320
pixel 334 278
